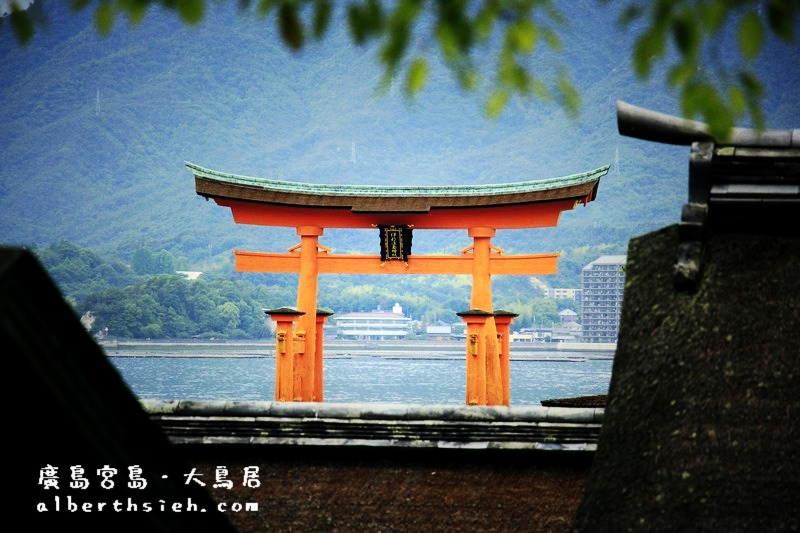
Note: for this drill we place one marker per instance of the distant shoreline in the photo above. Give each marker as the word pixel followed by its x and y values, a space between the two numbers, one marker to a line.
pixel 345 349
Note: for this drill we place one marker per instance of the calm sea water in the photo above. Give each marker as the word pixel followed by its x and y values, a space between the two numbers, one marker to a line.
pixel 356 379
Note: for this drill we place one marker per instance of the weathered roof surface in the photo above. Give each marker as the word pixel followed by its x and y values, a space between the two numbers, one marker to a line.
pixel 397 198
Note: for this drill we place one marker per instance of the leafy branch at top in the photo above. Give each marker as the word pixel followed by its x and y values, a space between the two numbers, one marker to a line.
pixel 720 90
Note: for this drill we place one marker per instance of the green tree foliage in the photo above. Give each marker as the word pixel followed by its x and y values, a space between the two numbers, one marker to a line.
pixel 160 305
pixel 146 262
pixel 539 312
pixel 169 306
pixel 79 272
pixel 510 34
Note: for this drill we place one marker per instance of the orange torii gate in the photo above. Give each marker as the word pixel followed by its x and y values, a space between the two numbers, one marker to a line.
pixel 395 210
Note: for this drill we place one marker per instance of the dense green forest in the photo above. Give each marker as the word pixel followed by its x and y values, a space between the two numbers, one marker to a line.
pixel 149 300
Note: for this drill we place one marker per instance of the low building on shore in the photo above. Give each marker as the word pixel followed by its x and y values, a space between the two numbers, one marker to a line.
pixel 374 325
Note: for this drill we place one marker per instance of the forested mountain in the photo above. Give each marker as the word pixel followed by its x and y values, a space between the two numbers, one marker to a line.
pixel 95 131
pixel 149 300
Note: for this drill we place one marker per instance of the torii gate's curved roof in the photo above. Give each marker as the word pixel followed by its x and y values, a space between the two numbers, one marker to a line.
pixel 395 204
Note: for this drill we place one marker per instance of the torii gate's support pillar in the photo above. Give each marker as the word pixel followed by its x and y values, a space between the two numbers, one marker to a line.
pixel 486 373
pixel 322 316
pixel 502 320
pixel 481 297
pixel 284 351
pixel 476 320
pixel 306 333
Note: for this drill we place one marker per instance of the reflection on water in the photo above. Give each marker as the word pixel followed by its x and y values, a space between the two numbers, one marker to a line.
pixel 356 379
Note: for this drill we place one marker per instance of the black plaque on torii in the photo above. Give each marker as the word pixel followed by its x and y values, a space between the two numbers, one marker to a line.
pixel 395 242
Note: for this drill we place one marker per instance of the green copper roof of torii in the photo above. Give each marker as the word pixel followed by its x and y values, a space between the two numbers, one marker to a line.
pixel 398 191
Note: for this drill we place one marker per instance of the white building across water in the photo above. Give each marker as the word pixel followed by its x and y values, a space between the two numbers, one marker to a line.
pixel 374 325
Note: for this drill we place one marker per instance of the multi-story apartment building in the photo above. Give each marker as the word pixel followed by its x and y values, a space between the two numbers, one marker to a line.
pixel 602 286
pixel 563 293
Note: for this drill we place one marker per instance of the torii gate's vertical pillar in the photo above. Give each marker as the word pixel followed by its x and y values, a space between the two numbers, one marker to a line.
pixel 481 299
pixel 502 320
pixel 284 351
pixel 476 320
pixel 322 316
pixel 306 332
pixel 481 275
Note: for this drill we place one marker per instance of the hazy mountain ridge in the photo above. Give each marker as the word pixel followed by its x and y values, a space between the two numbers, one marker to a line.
pixel 96 130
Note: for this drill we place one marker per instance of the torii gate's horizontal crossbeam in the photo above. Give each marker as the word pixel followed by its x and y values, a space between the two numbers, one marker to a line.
pixel 532 264
pixel 521 216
